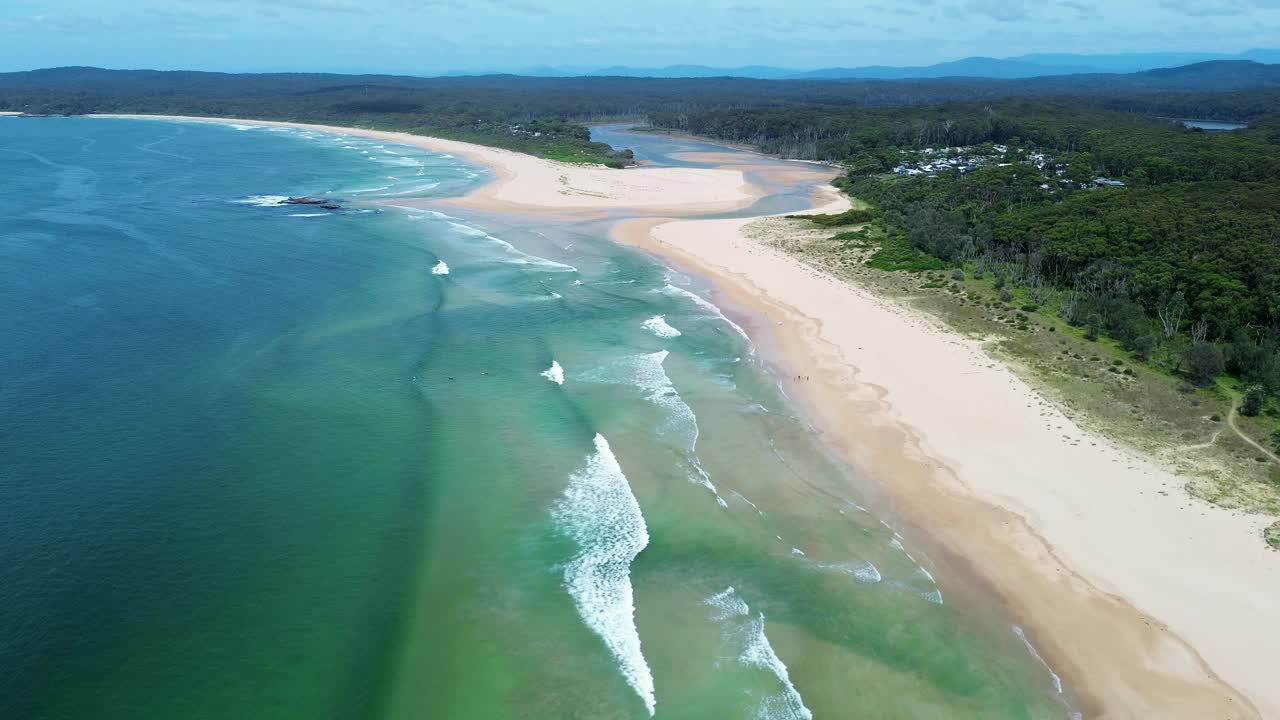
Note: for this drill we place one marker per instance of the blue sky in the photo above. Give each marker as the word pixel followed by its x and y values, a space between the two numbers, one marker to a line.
pixel 434 36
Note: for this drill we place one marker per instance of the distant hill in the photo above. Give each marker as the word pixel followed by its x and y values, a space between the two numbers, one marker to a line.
pixel 76 90
pixel 983 67
pixel 1215 75
pixel 1022 66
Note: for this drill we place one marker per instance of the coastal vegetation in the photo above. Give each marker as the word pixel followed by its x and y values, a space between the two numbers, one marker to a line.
pixel 546 116
pixel 1131 263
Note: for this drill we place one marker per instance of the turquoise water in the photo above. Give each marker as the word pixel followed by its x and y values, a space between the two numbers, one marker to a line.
pixel 261 461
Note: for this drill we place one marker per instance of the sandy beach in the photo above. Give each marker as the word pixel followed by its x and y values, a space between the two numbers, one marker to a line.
pixel 1148 603
pixel 523 183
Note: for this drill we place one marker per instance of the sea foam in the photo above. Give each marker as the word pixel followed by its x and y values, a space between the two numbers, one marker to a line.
pixel 658 326
pixel 601 514
pixel 264 200
pixel 555 373
pixel 862 571
pixel 517 256
pixel 755 650
pixel 440 268
pixel 673 291
pixel 1057 681
pixel 650 375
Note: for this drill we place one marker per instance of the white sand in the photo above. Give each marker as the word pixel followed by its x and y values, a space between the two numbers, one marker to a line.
pixel 1075 519
pixel 527 183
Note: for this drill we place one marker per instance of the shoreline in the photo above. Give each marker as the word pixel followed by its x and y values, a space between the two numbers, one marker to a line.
pixel 1082 613
pixel 524 183
pixel 1147 603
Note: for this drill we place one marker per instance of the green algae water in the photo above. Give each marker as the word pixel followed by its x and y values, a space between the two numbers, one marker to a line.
pixel 264 461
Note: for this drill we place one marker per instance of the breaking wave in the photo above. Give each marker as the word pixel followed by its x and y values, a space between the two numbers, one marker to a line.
pixel 264 200
pixel 601 514
pixel 1057 681
pixel 755 650
pixel 440 268
pixel 861 571
pixel 647 373
pixel 658 326
pixel 555 373
pixel 673 291
pixel 518 257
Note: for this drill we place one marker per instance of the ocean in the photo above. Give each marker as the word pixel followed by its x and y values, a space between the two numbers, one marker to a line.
pixel 270 461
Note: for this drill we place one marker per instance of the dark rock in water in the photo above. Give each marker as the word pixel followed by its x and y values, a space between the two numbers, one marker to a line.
pixel 319 202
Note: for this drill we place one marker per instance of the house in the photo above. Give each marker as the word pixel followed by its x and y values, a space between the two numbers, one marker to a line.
pixel 1106 182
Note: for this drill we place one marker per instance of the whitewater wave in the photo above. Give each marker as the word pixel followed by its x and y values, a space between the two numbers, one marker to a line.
pixel 602 515
pixel 755 650
pixel 263 200
pixel 861 570
pixel 1057 681
pixel 934 596
pixel 673 291
pixel 658 326
pixel 555 373
pixel 518 257
pixel 647 373
pixel 414 190
pixel 440 268
pixel 308 214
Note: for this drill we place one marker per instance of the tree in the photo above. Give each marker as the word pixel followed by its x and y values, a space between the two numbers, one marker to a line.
pixel 1092 325
pixel 1144 346
pixel 1254 398
pixel 1203 362
pixel 1170 310
pixel 1126 322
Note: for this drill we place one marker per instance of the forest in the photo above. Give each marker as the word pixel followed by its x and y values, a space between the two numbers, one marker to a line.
pixel 814 116
pixel 1174 254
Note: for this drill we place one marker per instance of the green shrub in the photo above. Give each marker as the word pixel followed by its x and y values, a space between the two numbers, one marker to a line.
pixel 1254 398
pixel 1203 362
pixel 1144 346
pixel 848 217
pixel 1030 307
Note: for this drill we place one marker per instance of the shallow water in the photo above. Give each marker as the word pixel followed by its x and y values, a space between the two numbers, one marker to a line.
pixel 262 462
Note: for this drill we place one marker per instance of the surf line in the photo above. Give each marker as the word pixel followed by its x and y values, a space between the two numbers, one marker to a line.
pixel 602 515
